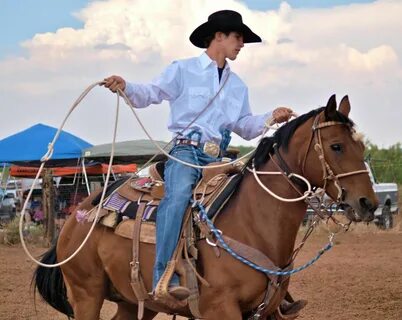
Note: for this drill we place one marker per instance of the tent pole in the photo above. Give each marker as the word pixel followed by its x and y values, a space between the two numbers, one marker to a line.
pixel 114 176
pixel 5 174
pixel 48 198
pixel 85 176
pixel 1 186
pixel 2 172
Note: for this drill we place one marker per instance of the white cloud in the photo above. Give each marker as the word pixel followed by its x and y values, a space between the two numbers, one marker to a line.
pixel 372 60
pixel 307 55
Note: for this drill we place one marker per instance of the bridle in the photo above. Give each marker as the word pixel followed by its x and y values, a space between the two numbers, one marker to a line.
pixel 299 180
pixel 328 173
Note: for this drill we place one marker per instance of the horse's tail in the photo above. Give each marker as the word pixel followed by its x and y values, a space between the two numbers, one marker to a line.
pixel 50 284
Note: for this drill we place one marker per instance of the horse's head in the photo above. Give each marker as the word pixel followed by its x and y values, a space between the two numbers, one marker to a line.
pixel 323 146
pixel 335 161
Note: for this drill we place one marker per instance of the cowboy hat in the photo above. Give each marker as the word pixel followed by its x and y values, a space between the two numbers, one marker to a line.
pixel 224 20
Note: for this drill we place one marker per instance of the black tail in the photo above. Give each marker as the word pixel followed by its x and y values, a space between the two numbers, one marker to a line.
pixel 50 284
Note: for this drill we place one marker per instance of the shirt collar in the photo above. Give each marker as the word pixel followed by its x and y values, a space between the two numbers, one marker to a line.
pixel 205 61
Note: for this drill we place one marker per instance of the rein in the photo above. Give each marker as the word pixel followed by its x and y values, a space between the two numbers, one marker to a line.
pixel 219 236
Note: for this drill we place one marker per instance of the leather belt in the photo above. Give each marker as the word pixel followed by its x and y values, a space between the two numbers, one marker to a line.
pixel 210 148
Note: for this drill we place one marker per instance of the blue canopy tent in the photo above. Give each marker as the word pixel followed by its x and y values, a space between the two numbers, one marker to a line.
pixel 28 147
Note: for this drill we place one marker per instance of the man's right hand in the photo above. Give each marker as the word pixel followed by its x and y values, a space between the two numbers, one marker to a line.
pixel 114 83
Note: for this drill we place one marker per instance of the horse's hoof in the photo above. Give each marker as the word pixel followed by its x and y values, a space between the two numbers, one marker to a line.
pixel 179 292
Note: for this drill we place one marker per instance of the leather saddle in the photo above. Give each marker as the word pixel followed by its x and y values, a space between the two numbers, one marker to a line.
pixel 151 189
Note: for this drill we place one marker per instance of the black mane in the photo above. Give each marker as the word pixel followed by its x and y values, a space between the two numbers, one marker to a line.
pixel 283 135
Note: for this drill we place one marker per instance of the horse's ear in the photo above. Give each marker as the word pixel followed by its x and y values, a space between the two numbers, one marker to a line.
pixel 330 110
pixel 344 106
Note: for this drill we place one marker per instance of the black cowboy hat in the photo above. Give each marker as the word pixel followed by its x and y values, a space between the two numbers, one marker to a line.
pixel 224 20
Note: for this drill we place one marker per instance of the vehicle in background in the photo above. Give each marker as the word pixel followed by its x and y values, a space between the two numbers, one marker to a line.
pixel 8 205
pixel 387 194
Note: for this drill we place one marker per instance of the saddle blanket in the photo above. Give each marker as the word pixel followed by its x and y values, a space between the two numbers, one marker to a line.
pixel 120 209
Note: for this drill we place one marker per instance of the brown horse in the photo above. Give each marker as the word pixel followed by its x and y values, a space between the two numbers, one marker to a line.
pixel 251 216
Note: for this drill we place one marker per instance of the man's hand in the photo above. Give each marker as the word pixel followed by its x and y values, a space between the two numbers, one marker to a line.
pixel 282 114
pixel 114 83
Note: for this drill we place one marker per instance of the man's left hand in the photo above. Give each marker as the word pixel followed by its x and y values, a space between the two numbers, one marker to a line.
pixel 282 114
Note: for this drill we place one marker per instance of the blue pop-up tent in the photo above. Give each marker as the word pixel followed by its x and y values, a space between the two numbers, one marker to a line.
pixel 28 147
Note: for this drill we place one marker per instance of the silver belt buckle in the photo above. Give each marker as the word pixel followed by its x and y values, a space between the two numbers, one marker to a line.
pixel 211 149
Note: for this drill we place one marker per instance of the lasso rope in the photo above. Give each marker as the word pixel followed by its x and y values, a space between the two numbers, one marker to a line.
pixel 163 151
pixel 306 194
pixel 269 125
pixel 49 153
pixel 45 158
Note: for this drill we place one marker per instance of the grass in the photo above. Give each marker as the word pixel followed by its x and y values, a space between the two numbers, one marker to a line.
pixel 10 233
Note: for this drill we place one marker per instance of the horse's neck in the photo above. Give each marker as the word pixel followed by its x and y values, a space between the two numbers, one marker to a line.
pixel 257 219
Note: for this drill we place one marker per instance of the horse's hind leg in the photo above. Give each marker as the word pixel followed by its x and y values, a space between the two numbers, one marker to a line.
pixel 126 311
pixel 86 297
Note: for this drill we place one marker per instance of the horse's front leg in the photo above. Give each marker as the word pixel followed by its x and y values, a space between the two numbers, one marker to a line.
pixel 220 307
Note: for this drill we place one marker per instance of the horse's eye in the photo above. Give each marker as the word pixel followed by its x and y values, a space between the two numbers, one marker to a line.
pixel 336 147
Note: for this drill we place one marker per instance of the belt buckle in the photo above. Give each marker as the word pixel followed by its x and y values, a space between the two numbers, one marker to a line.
pixel 211 149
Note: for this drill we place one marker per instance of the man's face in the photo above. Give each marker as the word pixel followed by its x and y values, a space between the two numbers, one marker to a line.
pixel 231 44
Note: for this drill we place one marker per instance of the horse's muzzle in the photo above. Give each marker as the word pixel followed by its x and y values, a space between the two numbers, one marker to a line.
pixel 362 211
pixel 367 209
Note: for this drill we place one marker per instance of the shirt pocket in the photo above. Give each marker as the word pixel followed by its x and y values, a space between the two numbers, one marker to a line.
pixel 198 97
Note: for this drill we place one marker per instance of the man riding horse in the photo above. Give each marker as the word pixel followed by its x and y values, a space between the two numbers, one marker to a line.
pixel 201 111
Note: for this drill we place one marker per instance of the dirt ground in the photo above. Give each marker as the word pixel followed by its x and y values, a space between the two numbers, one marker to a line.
pixel 360 278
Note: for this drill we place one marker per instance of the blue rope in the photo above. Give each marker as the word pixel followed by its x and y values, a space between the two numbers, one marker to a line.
pixel 224 245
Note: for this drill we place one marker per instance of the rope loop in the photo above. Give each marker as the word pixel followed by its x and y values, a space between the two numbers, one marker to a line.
pixel 44 159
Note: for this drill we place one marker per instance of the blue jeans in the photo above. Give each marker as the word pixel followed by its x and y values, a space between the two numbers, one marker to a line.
pixel 179 182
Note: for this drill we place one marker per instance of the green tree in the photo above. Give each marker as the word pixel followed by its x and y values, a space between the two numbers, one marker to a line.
pixel 385 162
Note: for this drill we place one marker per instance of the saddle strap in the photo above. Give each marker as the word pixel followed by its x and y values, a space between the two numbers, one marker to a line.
pixel 137 282
pixel 191 283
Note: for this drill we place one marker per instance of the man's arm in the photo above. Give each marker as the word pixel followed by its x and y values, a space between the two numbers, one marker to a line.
pixel 165 87
pixel 250 126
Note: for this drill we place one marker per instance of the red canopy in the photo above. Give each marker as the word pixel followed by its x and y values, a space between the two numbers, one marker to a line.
pixel 30 172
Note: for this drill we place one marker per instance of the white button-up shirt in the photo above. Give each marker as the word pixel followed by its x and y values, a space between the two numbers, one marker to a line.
pixel 189 85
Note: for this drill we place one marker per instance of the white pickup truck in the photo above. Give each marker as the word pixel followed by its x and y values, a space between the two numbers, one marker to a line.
pixel 387 194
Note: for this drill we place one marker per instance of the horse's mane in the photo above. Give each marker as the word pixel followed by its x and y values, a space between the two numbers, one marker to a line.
pixel 283 135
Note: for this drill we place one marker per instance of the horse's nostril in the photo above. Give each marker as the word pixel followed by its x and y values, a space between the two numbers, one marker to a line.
pixel 366 204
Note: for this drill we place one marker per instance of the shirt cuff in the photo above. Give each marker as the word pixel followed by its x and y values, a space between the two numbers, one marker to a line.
pixel 265 118
pixel 128 90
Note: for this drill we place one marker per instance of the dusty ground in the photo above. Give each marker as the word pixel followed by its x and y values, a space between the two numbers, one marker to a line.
pixel 360 278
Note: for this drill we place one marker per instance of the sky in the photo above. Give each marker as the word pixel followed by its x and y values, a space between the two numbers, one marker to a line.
pixel 51 51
